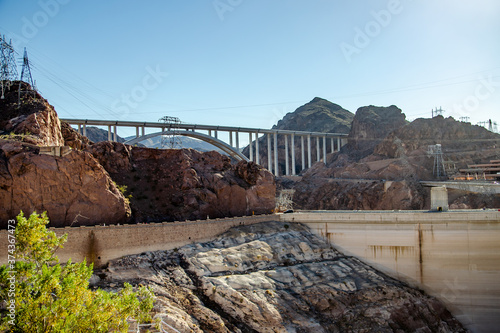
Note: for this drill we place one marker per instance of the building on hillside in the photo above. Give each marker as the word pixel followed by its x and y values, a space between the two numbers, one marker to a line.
pixel 489 171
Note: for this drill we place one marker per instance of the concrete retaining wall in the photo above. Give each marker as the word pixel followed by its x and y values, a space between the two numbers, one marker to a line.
pixel 454 256
pixel 99 244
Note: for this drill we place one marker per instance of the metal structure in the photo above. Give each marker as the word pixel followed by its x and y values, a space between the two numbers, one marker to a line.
pixel 8 68
pixel 25 77
pixel 171 140
pixel 329 142
pixel 437 112
pixel 438 168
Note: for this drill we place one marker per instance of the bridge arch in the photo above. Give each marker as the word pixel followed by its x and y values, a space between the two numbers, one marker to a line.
pixel 203 137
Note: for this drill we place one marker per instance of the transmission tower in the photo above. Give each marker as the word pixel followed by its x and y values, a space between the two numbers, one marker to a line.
pixel 437 112
pixel 25 76
pixel 438 168
pixel 171 141
pixel 8 68
pixel 26 71
pixel 464 119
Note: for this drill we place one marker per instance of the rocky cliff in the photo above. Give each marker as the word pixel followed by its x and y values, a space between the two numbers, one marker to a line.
pixel 274 277
pixel 74 189
pixel 180 184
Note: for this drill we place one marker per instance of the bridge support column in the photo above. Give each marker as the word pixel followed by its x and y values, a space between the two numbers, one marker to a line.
pixel 215 134
pixel 237 140
pixel 309 155
pixel 292 139
pixel 318 157
pixel 109 133
pixel 84 129
pixel 250 146
pixel 324 149
pixel 209 132
pixel 276 168
pixel 339 144
pixel 115 134
pixel 269 161
pixel 257 157
pixel 287 171
pixel 303 152
pixel 332 150
pixel 143 131
pixel 137 131
pixel 231 138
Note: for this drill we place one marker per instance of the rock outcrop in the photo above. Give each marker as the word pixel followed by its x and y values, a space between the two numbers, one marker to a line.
pixel 180 184
pixel 371 124
pixel 73 189
pixel 35 119
pixel 273 277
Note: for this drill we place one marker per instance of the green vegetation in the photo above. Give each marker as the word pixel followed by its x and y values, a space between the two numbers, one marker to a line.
pixel 50 297
pixel 123 189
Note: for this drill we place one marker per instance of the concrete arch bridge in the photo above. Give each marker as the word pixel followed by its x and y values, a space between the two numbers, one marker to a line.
pixel 325 142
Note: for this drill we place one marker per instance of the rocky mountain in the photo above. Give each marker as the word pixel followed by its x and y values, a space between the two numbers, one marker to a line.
pixel 80 188
pixel 392 153
pixel 275 277
pixel 319 115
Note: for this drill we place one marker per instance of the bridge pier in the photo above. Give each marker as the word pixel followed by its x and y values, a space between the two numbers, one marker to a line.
pixel 309 155
pixel 286 156
pixel 293 153
pixel 303 152
pixel 257 157
pixel 318 157
pixel 250 146
pixel 324 149
pixel 276 168
pixel 269 161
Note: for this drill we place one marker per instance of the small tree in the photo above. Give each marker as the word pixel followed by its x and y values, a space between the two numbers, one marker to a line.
pixel 50 297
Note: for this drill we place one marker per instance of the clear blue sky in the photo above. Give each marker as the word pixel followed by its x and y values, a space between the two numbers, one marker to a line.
pixel 249 62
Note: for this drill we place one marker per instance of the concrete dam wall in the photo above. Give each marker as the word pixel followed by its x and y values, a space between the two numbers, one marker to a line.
pixel 454 256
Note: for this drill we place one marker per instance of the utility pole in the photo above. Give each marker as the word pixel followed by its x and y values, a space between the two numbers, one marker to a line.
pixel 8 68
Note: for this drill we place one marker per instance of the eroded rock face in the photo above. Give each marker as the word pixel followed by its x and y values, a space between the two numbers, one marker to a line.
pixel 35 118
pixel 371 124
pixel 273 277
pixel 180 184
pixel 74 189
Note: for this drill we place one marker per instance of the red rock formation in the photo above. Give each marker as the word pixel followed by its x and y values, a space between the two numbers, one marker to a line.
pixel 35 117
pixel 74 189
pixel 180 184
